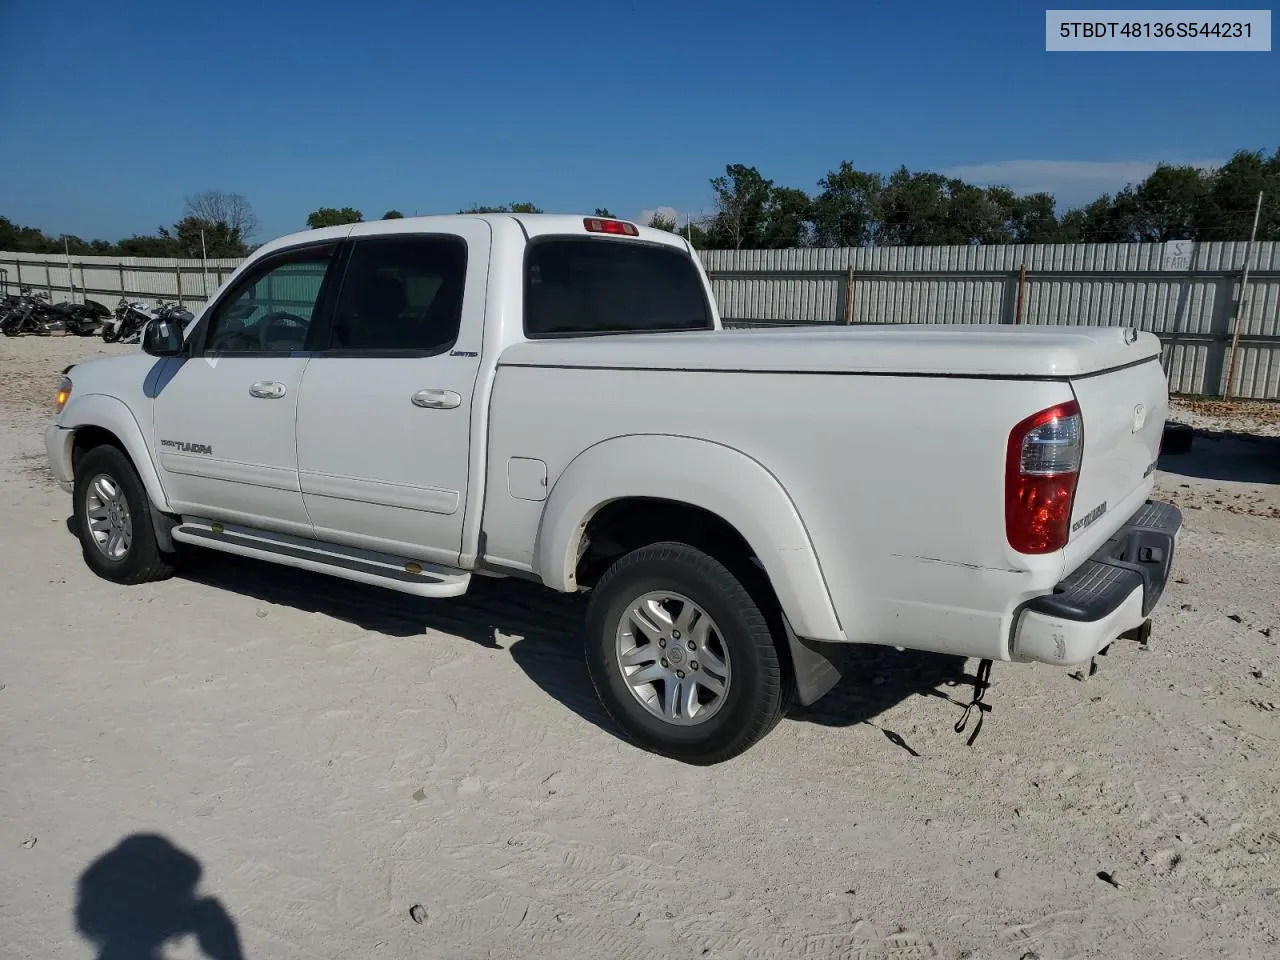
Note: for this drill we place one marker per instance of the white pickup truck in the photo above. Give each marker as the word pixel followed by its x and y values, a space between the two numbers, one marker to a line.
pixel 415 402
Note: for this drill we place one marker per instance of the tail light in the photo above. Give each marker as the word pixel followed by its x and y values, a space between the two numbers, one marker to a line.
pixel 1042 466
pixel 601 225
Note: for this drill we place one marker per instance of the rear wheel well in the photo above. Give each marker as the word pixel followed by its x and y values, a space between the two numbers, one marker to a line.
pixel 634 522
pixel 624 525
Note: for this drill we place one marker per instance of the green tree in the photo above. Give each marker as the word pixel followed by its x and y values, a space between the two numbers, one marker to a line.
pixel 220 239
pixel 21 239
pixel 1168 205
pixel 788 219
pixel 508 208
pixel 1227 213
pixel 230 209
pixel 916 209
pixel 603 212
pixel 332 217
pixel 847 212
pixel 393 215
pixel 1031 219
pixel 163 244
pixel 741 198
pixel 660 222
pixel 974 215
pixel 696 233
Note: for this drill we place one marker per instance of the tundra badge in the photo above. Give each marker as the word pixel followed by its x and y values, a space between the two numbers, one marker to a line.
pixel 188 447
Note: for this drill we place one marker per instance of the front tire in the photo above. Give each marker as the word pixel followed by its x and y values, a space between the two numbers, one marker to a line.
pixel 113 519
pixel 681 655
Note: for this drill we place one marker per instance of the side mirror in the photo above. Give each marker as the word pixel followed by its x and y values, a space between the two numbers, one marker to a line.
pixel 163 338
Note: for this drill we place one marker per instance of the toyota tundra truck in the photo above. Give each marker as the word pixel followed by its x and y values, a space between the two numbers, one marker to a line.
pixel 414 403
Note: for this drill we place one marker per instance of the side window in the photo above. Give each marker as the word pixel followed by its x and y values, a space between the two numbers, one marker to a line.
pixel 272 311
pixel 401 294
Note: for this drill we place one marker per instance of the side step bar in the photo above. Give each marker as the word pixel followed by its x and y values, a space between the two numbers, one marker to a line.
pixel 402 574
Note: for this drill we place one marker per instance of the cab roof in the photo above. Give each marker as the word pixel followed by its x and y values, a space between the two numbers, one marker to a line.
pixel 533 225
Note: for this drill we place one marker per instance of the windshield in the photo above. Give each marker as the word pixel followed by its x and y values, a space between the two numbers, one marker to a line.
pixel 579 285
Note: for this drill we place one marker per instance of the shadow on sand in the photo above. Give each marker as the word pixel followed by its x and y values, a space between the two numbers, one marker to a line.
pixel 141 895
pixel 542 631
pixel 1227 456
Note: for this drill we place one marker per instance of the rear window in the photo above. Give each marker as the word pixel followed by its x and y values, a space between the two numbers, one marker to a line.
pixel 576 285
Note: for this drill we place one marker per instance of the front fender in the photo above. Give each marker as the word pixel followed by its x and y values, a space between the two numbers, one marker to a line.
pixel 702 474
pixel 110 413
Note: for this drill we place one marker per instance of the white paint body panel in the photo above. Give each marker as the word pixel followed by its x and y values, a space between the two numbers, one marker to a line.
pixel 977 350
pixel 251 475
pixel 864 466
pixel 376 471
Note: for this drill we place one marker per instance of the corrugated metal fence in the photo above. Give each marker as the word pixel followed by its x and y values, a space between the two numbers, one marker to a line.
pixel 1184 292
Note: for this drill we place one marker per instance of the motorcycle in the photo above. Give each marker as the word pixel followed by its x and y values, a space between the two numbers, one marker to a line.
pixel 175 312
pixel 128 321
pixel 82 319
pixel 30 313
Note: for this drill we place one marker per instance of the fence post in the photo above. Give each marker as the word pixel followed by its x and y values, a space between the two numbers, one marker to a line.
pixel 1022 282
pixel 1242 301
pixel 177 272
pixel 122 291
pixel 48 281
pixel 849 287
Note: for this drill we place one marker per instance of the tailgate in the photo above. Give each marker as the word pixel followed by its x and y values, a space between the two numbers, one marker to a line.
pixel 1123 411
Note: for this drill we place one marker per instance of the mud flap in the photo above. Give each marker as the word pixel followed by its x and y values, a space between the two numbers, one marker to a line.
pixel 814 664
pixel 163 525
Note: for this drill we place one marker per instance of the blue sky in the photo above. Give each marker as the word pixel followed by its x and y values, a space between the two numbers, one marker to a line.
pixel 113 113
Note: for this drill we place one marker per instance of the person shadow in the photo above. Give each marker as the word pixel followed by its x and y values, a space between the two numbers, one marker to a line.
pixel 141 895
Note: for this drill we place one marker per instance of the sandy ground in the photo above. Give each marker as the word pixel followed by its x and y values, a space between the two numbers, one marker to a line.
pixel 248 761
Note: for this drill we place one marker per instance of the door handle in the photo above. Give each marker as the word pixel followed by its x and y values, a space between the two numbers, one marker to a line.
pixel 267 390
pixel 437 399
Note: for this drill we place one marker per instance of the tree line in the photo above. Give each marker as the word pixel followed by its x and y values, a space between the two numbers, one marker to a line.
pixel 850 208
pixel 857 208
pixel 217 223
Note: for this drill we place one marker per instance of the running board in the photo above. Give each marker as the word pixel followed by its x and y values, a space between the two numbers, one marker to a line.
pixel 417 577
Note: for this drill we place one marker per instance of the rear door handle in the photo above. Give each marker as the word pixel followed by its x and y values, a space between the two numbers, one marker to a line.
pixel 437 399
pixel 267 390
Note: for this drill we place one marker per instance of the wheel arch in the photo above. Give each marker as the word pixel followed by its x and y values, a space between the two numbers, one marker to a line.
pixel 734 495
pixel 95 419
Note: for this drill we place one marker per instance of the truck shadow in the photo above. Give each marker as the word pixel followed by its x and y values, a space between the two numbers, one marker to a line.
pixel 541 629
pixel 1226 456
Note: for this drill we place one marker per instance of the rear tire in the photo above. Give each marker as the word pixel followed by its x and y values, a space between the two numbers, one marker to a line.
pixel 113 520
pixel 652 616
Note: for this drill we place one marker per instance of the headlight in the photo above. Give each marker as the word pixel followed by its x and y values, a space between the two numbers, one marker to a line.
pixel 64 394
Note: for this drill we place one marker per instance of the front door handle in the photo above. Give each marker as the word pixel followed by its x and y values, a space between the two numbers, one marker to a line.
pixel 267 390
pixel 437 399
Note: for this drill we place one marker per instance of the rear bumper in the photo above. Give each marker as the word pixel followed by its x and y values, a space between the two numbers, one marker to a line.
pixel 1111 592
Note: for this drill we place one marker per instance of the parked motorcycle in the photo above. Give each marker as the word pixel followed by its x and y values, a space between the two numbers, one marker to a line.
pixel 82 319
pixel 30 313
pixel 128 321
pixel 174 311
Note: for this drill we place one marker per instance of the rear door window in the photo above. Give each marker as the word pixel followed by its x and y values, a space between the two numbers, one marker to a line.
pixel 401 294
pixel 582 286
